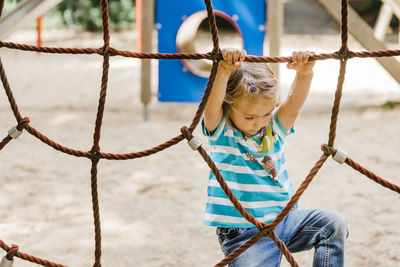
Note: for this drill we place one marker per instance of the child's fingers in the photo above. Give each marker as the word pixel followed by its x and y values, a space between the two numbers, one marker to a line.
pixel 224 54
pixel 229 57
pixel 306 56
pixel 295 57
pixel 290 65
pixel 236 55
pixel 243 55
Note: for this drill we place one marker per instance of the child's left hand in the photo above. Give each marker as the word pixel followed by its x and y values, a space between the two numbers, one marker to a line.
pixel 300 62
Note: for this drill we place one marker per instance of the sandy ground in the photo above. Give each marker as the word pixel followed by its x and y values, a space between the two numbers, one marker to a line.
pixel 152 208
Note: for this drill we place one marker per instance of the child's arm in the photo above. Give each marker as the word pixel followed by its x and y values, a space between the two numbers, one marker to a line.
pixel 232 58
pixel 289 110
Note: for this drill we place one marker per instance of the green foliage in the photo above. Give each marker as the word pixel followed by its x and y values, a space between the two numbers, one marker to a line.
pixel 86 14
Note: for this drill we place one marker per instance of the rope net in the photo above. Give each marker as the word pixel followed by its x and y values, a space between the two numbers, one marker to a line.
pixel 95 155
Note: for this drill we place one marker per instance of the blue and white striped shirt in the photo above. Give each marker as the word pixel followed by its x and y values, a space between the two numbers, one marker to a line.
pixel 239 162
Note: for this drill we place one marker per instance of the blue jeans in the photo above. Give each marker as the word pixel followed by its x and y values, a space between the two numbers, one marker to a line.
pixel 301 230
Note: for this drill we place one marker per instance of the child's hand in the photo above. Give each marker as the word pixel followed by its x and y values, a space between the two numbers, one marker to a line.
pixel 300 62
pixel 232 58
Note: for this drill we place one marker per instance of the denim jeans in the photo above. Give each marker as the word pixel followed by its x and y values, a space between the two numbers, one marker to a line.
pixel 301 230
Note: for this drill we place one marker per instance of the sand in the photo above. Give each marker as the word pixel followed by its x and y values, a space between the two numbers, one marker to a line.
pixel 152 208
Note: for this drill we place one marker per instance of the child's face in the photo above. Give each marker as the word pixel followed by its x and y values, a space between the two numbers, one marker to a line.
pixel 251 116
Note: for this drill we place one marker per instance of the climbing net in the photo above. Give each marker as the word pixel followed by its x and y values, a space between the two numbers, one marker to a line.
pixel 95 155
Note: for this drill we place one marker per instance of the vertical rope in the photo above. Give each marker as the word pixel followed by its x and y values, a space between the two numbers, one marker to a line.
pixel 10 96
pixel 1 7
pixel 336 104
pixel 211 79
pixel 104 79
pixel 97 131
pixel 344 26
pixel 206 94
pixel 96 213
pixel 213 24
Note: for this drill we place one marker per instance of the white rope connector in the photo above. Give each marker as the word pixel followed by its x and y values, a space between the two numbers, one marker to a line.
pixel 14 133
pixel 194 143
pixel 340 156
pixel 6 263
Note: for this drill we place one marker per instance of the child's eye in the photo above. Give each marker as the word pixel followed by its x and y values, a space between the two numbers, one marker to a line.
pixel 248 118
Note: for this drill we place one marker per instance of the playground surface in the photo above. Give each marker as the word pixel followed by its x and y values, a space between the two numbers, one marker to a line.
pixel 151 208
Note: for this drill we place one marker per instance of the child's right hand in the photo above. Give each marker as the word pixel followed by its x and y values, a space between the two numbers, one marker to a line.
pixel 232 59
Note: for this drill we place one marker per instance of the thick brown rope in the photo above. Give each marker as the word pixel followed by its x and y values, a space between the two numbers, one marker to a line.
pixel 96 213
pixel 9 93
pixel 344 27
pixel 13 252
pixel 194 56
pixel 97 131
pixel 331 151
pixel 213 25
pixel 336 104
pixel 266 230
pixel 222 182
pixel 271 226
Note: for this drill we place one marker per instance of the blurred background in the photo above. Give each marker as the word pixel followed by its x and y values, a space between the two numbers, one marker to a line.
pixel 152 208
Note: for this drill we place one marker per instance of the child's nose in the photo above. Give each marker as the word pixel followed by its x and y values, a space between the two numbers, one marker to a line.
pixel 259 123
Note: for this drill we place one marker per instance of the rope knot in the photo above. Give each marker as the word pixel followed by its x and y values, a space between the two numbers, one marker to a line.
pixel 266 229
pixel 267 232
pixel 194 142
pixel 12 252
pixel 337 154
pixel 16 131
pixel 23 123
pixel 217 54
pixel 186 133
pixel 95 155
pixel 328 150
pixel 344 54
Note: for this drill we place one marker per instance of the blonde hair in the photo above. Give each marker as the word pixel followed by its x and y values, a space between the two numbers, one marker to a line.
pixel 253 80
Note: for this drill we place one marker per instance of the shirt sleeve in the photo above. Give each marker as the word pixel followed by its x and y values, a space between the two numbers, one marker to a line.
pixel 216 133
pixel 277 126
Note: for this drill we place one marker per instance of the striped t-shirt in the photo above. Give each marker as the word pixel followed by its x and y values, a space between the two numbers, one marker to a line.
pixel 239 160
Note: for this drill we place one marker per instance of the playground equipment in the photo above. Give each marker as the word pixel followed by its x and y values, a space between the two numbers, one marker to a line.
pixel 179 30
pixel 95 154
pixel 364 34
pixel 388 9
pixel 25 11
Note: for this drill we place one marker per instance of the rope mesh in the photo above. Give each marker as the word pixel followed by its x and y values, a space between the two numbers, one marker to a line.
pixel 95 154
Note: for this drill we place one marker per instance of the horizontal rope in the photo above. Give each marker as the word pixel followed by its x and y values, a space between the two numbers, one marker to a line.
pixel 101 155
pixel 30 258
pixel 193 56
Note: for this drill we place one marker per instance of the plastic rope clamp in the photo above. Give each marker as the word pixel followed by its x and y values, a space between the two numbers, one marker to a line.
pixel 6 263
pixel 14 133
pixel 195 143
pixel 340 156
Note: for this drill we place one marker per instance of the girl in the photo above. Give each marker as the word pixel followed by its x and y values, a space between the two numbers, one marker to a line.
pixel 246 129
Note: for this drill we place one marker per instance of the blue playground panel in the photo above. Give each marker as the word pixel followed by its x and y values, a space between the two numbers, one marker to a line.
pixel 177 85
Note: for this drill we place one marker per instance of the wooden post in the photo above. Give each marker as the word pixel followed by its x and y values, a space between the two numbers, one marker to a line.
pixel 383 21
pixel 364 34
pixel 147 30
pixel 274 30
